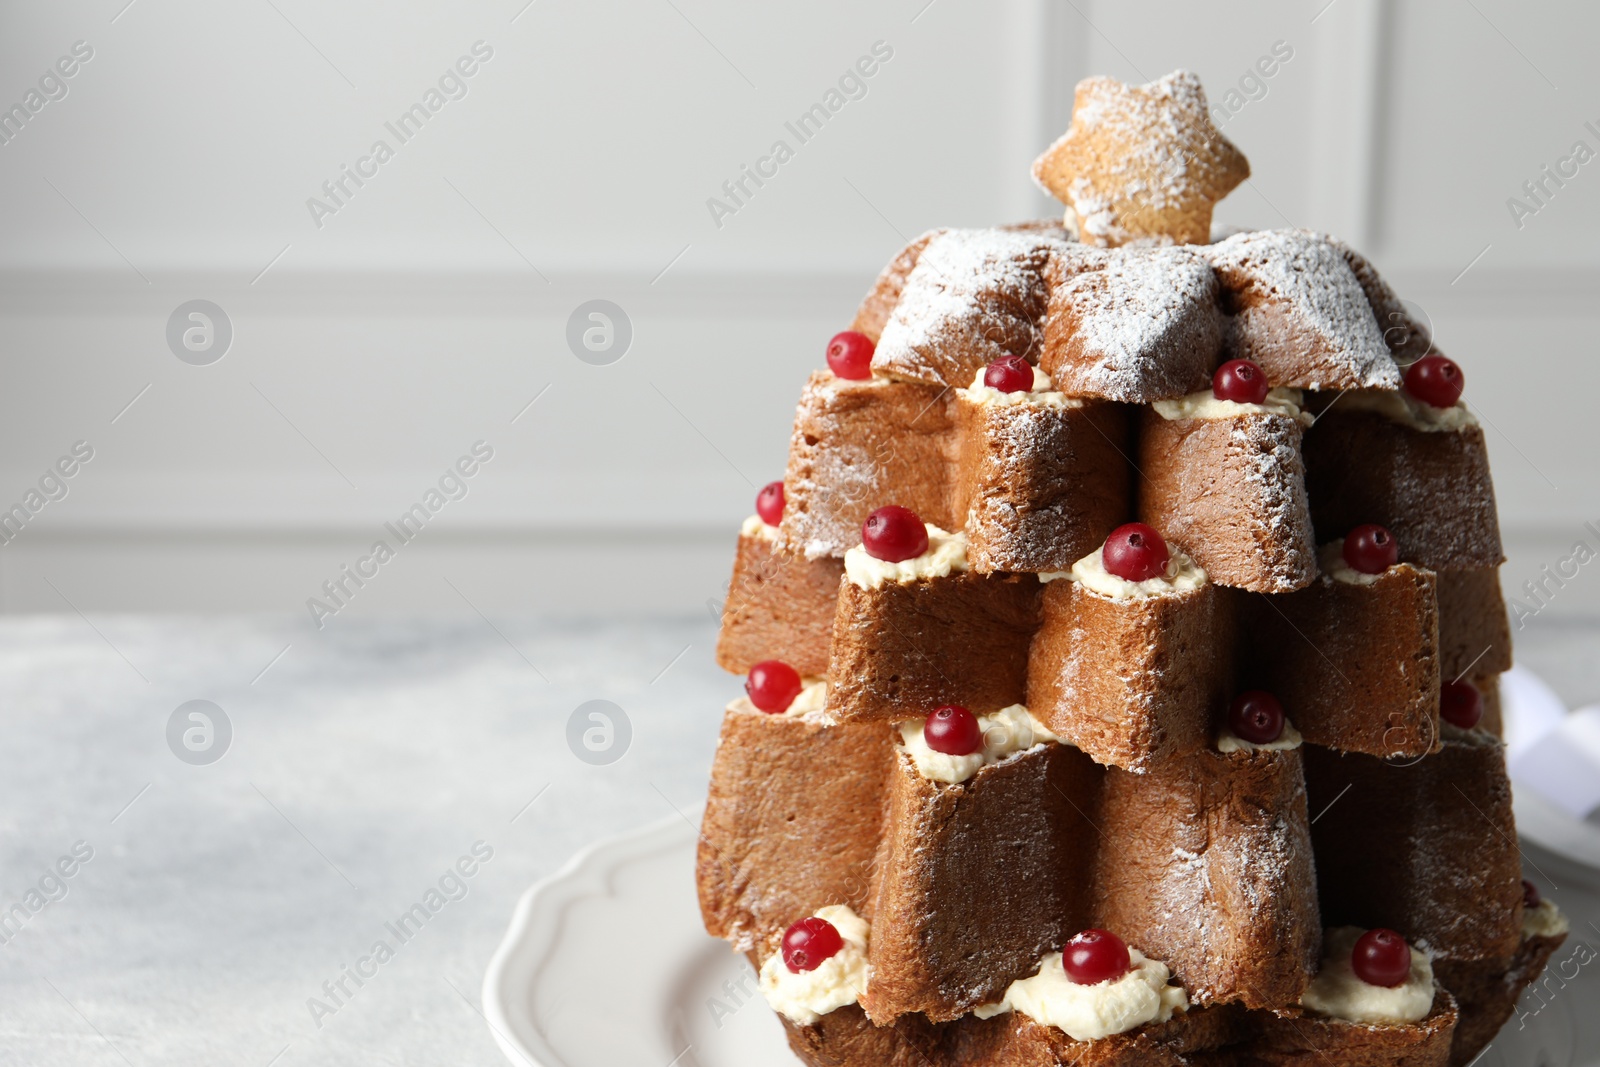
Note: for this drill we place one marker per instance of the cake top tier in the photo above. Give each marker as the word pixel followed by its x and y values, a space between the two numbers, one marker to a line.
pixel 1141 163
pixel 1140 322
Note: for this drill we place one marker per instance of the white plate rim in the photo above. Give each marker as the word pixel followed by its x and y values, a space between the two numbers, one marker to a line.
pixel 541 909
pixel 534 923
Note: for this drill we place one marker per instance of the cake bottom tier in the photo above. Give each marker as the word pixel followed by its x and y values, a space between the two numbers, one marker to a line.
pixel 1452 1034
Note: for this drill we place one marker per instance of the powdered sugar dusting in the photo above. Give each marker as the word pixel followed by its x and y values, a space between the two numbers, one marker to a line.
pixel 1133 324
pixel 1274 468
pixel 974 296
pixel 1141 162
pixel 1299 307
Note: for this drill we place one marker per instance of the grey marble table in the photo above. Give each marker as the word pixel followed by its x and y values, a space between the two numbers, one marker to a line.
pixel 364 764
pixel 224 904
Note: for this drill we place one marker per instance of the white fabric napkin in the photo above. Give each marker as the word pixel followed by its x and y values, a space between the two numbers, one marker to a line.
pixel 1548 750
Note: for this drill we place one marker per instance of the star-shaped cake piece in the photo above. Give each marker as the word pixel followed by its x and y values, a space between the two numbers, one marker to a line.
pixel 1141 162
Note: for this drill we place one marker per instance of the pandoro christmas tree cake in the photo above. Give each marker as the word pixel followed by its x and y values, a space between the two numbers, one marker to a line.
pixel 1107 553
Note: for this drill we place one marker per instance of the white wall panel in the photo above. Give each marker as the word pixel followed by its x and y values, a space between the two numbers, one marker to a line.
pixel 432 306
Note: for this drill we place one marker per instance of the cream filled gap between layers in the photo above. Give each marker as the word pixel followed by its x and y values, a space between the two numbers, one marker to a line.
pixel 1108 549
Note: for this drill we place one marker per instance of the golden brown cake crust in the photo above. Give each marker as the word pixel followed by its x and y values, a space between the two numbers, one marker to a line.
pixel 902 650
pixel 1474 630
pixel 1141 162
pixel 1131 682
pixel 885 294
pixel 944 938
pixel 1137 325
pixel 1308 1038
pixel 972 297
pixel 1039 488
pixel 1206 865
pixel 1232 493
pixel 858 446
pixel 1488 990
pixel 780 606
pixel 1013 1040
pixel 1299 310
pixel 1430 488
pixel 773 846
pixel 1356 666
pixel 844 1038
pixel 1408 338
pixel 1427 848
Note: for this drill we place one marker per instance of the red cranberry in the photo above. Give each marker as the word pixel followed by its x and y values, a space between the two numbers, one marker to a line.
pixel 1370 549
pixel 1009 374
pixel 894 534
pixel 1530 895
pixel 1256 716
pixel 1241 381
pixel 1460 704
pixel 1135 552
pixel 772 686
pixel 850 355
pixel 1095 956
pixel 809 943
pixel 769 503
pixel 953 730
pixel 1381 957
pixel 1436 381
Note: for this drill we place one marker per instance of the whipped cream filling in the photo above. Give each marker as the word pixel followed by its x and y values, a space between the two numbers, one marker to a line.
pixel 1183 574
pixel 1399 406
pixel 1228 741
pixel 803 997
pixel 1544 921
pixel 946 554
pixel 1040 393
pixel 1205 405
pixel 1475 736
pixel 755 527
pixel 875 380
pixel 1089 1012
pixel 813 695
pixel 1336 990
pixel 1005 733
pixel 1330 560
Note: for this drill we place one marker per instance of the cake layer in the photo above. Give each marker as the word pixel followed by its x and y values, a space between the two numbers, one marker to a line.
pixel 1298 309
pixel 1427 847
pixel 791 824
pixel 857 446
pixel 905 648
pixel 972 297
pixel 780 606
pixel 884 295
pixel 1488 990
pixel 1474 630
pixel 1131 682
pixel 1039 487
pixel 1133 325
pixel 1201 1035
pixel 1222 1036
pixel 1431 488
pixel 1232 492
pixel 1205 863
pixel 1355 663
pixel 974 881
pixel 1305 1039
